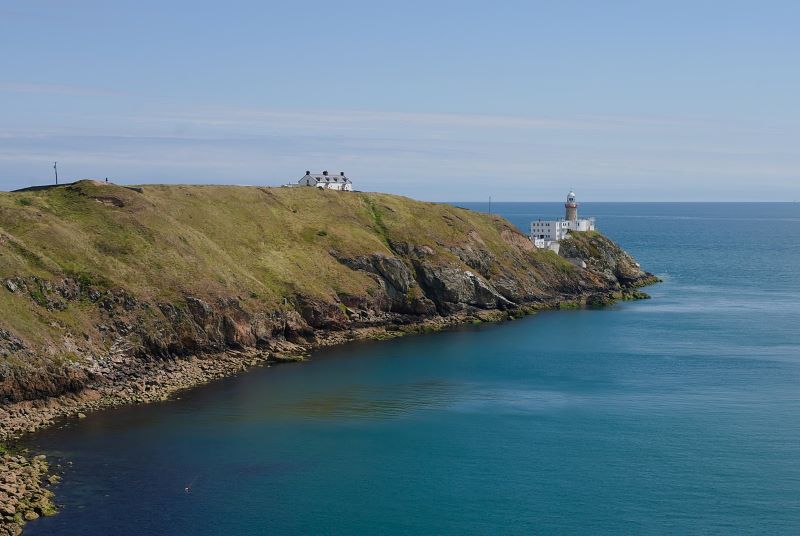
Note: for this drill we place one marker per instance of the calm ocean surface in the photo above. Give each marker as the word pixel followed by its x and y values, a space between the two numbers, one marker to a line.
pixel 677 415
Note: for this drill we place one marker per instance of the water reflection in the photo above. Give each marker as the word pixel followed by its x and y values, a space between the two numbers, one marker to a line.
pixel 373 402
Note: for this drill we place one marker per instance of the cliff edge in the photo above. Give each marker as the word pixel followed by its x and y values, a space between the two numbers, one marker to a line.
pixel 122 294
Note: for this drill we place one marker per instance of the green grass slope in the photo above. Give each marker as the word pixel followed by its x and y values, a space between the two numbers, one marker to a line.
pixel 225 240
pixel 259 248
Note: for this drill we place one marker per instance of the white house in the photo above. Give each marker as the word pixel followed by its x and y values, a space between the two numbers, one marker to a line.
pixel 324 180
pixel 551 230
pixel 547 233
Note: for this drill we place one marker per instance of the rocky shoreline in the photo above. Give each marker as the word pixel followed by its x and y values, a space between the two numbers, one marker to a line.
pixel 24 493
pixel 152 381
pixel 25 482
pixel 141 299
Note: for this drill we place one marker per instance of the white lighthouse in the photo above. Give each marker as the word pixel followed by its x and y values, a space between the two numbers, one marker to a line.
pixel 547 233
pixel 571 207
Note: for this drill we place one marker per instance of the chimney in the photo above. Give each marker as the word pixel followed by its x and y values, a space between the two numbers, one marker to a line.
pixel 308 173
pixel 325 173
pixel 342 173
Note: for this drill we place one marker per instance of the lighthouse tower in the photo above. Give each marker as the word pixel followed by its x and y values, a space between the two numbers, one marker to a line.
pixel 571 207
pixel 548 234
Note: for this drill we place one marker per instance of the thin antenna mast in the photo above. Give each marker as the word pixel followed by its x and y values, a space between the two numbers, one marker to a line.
pixel 55 168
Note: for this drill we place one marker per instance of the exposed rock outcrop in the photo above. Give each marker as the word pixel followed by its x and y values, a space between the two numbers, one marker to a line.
pixel 453 289
pixel 603 256
pixel 412 286
pixel 399 290
pixel 113 295
pixel 23 491
pixel 387 262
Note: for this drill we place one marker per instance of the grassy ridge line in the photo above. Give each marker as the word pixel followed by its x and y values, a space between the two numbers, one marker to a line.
pixel 227 237
pixel 261 245
pixel 242 236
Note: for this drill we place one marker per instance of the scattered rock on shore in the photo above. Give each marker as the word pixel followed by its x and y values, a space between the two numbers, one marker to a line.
pixel 23 495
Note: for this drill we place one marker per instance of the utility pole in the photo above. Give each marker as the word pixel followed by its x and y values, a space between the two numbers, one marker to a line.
pixel 55 168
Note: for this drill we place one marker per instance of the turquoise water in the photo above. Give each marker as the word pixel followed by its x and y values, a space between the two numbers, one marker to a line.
pixel 677 415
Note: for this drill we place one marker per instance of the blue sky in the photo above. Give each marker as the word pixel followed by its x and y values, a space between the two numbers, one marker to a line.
pixel 623 101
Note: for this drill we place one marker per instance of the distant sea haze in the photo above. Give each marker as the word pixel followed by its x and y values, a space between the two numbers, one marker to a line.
pixel 676 415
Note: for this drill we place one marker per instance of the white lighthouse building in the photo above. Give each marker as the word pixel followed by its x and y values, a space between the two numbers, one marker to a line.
pixel 547 233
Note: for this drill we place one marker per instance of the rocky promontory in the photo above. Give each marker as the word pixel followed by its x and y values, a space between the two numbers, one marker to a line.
pixel 113 295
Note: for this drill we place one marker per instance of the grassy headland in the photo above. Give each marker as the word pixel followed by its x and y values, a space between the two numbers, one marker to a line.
pixel 112 295
pixel 93 270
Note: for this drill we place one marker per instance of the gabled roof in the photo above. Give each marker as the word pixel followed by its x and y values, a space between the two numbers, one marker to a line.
pixel 320 177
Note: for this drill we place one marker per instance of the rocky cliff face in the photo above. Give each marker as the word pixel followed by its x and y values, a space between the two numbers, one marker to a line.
pixel 115 295
pixel 604 257
pixel 154 280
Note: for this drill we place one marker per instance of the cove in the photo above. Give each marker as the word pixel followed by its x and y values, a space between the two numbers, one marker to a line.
pixel 673 415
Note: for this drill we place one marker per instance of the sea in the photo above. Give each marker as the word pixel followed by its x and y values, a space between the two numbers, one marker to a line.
pixel 675 415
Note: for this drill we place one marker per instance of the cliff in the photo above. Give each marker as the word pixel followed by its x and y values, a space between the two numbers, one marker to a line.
pixel 111 291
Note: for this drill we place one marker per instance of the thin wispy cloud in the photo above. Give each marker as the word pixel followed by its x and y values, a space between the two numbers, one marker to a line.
pixel 508 168
pixel 337 119
pixel 475 102
pixel 403 152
